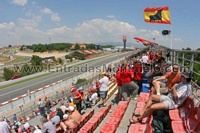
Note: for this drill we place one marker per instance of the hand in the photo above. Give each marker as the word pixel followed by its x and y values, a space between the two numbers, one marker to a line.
pixel 154 81
pixel 175 96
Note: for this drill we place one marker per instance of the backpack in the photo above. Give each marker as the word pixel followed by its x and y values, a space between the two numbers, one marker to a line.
pixel 161 123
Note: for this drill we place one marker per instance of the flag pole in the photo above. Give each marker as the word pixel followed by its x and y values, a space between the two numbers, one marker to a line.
pixel 171 36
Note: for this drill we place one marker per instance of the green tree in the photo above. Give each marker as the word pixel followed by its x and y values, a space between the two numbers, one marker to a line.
pixel 7 73
pixel 10 46
pixel 60 61
pixel 36 60
pixel 81 56
pixel 77 47
pixel 68 57
pixel 80 81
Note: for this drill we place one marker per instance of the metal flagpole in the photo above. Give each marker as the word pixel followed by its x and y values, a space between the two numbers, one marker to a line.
pixel 171 36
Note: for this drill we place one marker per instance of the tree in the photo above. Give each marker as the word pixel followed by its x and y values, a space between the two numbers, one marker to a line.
pixel 36 60
pixel 77 47
pixel 7 73
pixel 9 46
pixel 81 56
pixel 80 81
pixel 60 61
pixel 68 57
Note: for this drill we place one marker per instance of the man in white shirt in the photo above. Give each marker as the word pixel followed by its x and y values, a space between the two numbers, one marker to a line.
pixel 93 96
pixel 180 92
pixel 104 81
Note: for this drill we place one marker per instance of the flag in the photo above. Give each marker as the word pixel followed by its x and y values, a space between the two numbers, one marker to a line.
pixel 159 15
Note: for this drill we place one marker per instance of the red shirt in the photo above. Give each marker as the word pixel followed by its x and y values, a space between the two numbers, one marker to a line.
pixel 77 94
pixel 97 85
pixel 126 75
pixel 137 69
pixel 118 79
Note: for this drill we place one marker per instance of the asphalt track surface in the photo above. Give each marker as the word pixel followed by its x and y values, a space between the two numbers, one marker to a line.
pixel 20 89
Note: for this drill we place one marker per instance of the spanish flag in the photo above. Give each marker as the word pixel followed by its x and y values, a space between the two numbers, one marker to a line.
pixel 159 15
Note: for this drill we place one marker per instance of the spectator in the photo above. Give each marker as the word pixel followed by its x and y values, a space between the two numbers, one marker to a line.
pixel 74 114
pixel 168 67
pixel 59 113
pixel 40 106
pixel 55 119
pixel 93 96
pixel 137 69
pixel 14 118
pixel 97 85
pixel 47 105
pixel 4 127
pixel 172 77
pixel 63 107
pixel 48 126
pixel 144 58
pixel 180 93
pixel 68 123
pixel 119 86
pixel 77 99
pixel 104 81
pixel 129 86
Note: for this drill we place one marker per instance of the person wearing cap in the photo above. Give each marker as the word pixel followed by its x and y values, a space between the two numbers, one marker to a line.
pixel 74 114
pixel 67 123
pixel 93 96
pixel 41 106
pixel 104 81
pixel 55 119
pixel 179 93
pixel 173 77
pixel 77 99
pixel 48 126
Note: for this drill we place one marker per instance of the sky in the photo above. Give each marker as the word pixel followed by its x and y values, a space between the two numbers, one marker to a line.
pixel 27 22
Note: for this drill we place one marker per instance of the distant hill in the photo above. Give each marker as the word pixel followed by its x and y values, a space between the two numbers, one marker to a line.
pixel 137 45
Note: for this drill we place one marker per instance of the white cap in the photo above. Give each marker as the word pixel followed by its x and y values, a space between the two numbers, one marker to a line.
pixel 70 108
pixel 65 116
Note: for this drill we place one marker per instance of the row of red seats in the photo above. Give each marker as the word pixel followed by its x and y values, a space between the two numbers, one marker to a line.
pixel 185 119
pixel 93 123
pixel 115 117
pixel 146 126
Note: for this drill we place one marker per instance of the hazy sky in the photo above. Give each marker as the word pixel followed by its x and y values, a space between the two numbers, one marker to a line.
pixel 93 21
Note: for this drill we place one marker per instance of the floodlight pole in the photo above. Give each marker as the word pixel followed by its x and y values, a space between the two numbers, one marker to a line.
pixel 171 36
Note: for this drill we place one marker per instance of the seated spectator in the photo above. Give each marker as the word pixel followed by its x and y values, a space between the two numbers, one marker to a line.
pixel 59 113
pixel 172 77
pixel 77 99
pixel 74 114
pixel 93 96
pixel 14 118
pixel 55 119
pixel 67 123
pixel 175 99
pixel 4 127
pixel 48 126
pixel 63 107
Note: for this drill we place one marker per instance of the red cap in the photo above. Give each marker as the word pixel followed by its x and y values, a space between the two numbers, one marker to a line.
pixel 73 89
pixel 52 113
pixel 39 99
pixel 92 90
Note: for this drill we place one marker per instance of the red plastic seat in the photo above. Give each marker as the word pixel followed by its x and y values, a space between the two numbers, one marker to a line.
pixel 186 109
pixel 95 121
pixel 123 103
pixel 88 127
pixel 74 130
pixel 137 128
pixel 138 110
pixel 140 104
pixel 143 94
pixel 143 99
pixel 99 115
pixel 82 131
pixel 85 117
pixel 113 121
pixel 108 128
pixel 91 113
pixel 189 124
pixel 121 107
pixel 103 110
pixel 117 113
pixel 109 107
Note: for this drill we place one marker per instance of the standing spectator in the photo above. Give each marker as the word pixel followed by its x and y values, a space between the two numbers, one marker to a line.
pixel 137 69
pixel 97 88
pixel 14 118
pixel 127 83
pixel 40 106
pixel 77 99
pixel 93 97
pixel 48 127
pixel 144 58
pixel 104 81
pixel 4 127
pixel 47 104
pixel 119 86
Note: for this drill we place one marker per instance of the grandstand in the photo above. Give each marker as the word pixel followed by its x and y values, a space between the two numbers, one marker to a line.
pixel 114 118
